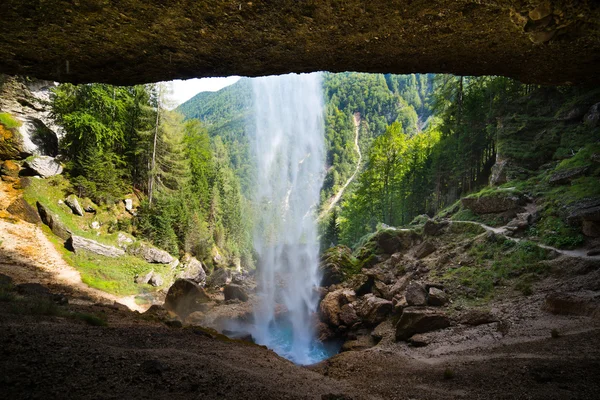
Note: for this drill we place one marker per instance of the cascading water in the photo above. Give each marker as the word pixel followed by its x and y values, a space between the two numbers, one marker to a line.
pixel 289 149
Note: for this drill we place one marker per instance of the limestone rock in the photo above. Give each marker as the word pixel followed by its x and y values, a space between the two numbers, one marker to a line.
pixel 233 291
pixel 437 297
pixel 219 277
pixel 499 201
pixel 331 306
pixel 192 270
pixel 185 297
pixel 74 205
pixel 380 289
pixel 415 294
pixel 566 176
pixel 78 243
pixel 22 210
pixel 123 240
pixel 424 249
pixel 151 254
pixel 52 221
pixel 420 320
pixel 374 310
pixel 44 166
pixel 585 210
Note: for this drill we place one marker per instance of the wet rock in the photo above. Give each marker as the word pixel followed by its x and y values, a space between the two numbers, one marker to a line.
pixel 10 168
pixel 233 291
pixel 415 294
pixel 331 306
pixel 348 315
pixel 374 310
pixel 219 277
pixel 22 210
pixel 571 304
pixel 437 297
pixel 192 270
pixel 185 297
pixel 496 202
pixel 52 221
pixel 424 249
pixel 566 176
pixel 420 320
pixel 78 243
pixel 44 166
pixel 151 254
pixel 594 252
pixel 173 323
pixel 74 205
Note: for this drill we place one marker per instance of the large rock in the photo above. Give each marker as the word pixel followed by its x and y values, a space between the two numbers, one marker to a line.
pixel 498 173
pixel 420 320
pixel 235 292
pixel 72 202
pixel 44 166
pixel 361 284
pixel 584 210
pixel 424 249
pixel 185 297
pixel 572 304
pixel 22 210
pixel 432 228
pixel 415 294
pixel 495 202
pixel 192 270
pixel 219 277
pixel 374 310
pixel 566 176
pixel 437 297
pixel 53 222
pixel 331 306
pixel 348 316
pixel 151 254
pixel 78 243
pixel 333 264
pixel 400 285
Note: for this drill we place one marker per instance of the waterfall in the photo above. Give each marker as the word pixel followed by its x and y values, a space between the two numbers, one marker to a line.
pixel 289 149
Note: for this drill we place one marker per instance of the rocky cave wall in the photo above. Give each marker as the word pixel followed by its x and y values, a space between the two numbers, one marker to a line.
pixel 132 41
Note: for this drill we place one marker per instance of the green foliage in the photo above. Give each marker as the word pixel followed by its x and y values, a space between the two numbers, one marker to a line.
pixel 8 121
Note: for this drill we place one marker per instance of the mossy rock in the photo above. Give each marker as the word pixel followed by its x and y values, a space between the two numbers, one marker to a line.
pixel 337 264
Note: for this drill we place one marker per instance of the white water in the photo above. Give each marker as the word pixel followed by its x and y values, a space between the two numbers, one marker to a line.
pixel 289 148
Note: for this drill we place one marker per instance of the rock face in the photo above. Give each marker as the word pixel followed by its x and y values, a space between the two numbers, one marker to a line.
pixel 151 254
pixel 205 38
pixel 44 166
pixel 21 209
pixel 78 243
pixel 74 205
pixel 185 297
pixel 497 202
pixel 192 270
pixel 420 320
pixel 52 221
pixel 235 292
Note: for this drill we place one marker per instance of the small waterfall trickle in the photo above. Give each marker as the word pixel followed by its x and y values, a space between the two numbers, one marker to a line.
pixel 290 151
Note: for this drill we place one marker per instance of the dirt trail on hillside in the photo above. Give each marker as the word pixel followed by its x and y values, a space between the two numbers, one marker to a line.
pixel 338 195
pixel 27 255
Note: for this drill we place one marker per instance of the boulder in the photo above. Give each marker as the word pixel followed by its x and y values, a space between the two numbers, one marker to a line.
pixel 151 254
pixel 123 240
pixel 192 270
pixel 374 310
pixel 566 176
pixel 496 202
pixel 331 306
pixel 333 263
pixel 572 304
pixel 520 222
pixel 89 209
pixel 128 204
pixel 144 278
pixel 22 210
pixel 592 118
pixel 415 294
pixel 74 205
pixel 424 249
pixel 590 228
pixel 382 290
pixel 156 280
pixel 432 228
pixel 348 315
pixel 585 210
pixel 498 173
pixel 420 320
pixel 233 291
pixel 219 277
pixel 383 330
pixel 185 297
pixel 78 243
pixel 52 221
pixel 437 297
pixel 44 166
pixel 477 317
pixel 10 168
pixel 324 332
pixel 419 340
pixel 361 284
pixel 400 285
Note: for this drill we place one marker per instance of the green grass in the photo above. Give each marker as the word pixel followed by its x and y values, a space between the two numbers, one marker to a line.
pixel 500 261
pixel 8 121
